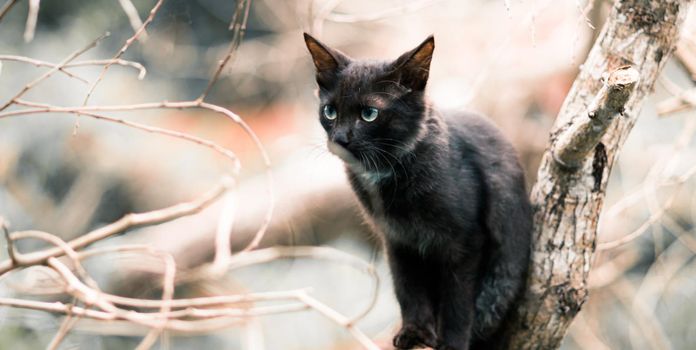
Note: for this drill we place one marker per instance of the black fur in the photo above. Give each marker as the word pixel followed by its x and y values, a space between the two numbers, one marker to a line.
pixel 445 192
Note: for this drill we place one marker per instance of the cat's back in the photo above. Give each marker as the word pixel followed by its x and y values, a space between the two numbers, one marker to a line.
pixel 476 132
pixel 473 136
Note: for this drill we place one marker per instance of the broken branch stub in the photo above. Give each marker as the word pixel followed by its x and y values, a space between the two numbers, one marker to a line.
pixel 575 143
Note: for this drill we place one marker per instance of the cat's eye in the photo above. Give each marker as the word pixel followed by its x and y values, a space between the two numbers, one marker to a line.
pixel 329 112
pixel 369 114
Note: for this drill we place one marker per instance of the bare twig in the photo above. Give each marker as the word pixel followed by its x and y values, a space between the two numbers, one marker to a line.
pixel 56 307
pixel 32 16
pixel 650 328
pixel 167 296
pixel 133 18
pixel 269 177
pixel 6 7
pixel 65 327
pixel 123 49
pixel 238 26
pixel 80 290
pixel 53 70
pixel 655 217
pixel 223 244
pixel 658 178
pixel 333 315
pixel 141 69
pixel 152 129
pixel 586 337
pixel 269 254
pixel 10 243
pixel 39 63
pixel 60 244
pixel 127 222
pixel 584 11
pixel 117 61
pixel 162 318
pixel 177 105
pixel 70 321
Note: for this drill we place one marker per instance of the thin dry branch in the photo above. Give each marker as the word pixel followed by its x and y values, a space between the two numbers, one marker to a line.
pixel 177 105
pixel 6 7
pixel 58 243
pixel 163 319
pixel 681 99
pixel 69 322
pixel 123 49
pixel 167 296
pixel 133 18
pixel 50 72
pixel 584 12
pixel 650 329
pixel 32 17
pixel 58 307
pixel 659 177
pixel 118 61
pixel 152 129
pixel 238 26
pixel 39 63
pixel 269 254
pixel 141 69
pixel 127 222
pixel 10 246
pixel 65 327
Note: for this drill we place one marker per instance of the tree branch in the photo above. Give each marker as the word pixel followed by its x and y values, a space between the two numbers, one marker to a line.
pixel 575 143
pixel 128 221
pixel 574 171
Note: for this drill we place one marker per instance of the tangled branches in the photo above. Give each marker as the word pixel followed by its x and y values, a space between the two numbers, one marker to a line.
pixel 63 260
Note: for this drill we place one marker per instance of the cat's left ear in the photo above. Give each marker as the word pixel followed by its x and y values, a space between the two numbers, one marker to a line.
pixel 413 67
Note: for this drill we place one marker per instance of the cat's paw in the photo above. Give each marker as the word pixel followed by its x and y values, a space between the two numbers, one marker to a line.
pixel 411 336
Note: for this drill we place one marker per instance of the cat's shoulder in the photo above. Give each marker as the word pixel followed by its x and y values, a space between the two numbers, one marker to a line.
pixel 479 139
pixel 474 127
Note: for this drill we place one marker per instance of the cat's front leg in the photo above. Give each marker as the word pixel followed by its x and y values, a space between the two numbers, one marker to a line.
pixel 412 281
pixel 457 287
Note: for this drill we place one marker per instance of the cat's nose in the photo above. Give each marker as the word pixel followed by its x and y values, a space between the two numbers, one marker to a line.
pixel 342 138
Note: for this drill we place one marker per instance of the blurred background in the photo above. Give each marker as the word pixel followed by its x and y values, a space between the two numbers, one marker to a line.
pixel 512 60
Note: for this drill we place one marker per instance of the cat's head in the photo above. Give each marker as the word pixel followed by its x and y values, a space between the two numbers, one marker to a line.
pixel 373 111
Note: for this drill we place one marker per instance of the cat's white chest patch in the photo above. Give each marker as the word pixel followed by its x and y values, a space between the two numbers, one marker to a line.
pixel 372 178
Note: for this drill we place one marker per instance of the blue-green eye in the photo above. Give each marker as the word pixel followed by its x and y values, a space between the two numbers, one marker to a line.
pixel 369 114
pixel 329 112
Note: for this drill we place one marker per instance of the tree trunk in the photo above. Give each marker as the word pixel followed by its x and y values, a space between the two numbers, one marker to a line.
pixel 593 123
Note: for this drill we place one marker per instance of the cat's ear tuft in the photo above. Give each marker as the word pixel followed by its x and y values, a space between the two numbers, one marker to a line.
pixel 413 67
pixel 326 60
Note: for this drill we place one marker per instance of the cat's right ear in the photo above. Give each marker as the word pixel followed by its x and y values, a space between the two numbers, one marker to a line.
pixel 327 61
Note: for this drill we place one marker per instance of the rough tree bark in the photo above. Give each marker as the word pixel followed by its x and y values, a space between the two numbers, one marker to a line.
pixel 593 123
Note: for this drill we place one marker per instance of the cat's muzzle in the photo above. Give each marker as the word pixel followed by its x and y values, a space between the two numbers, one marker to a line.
pixel 343 153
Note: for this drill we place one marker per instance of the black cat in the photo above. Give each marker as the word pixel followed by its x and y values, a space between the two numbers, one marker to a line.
pixel 446 194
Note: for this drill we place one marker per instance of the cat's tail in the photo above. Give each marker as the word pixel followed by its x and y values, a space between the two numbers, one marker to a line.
pixel 509 222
